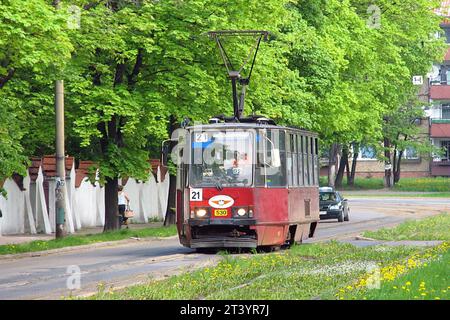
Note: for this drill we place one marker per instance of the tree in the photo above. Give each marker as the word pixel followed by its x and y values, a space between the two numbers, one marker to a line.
pixel 138 63
pixel 28 35
pixel 358 72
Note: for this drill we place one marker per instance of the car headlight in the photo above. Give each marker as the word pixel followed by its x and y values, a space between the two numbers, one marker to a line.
pixel 335 207
pixel 201 212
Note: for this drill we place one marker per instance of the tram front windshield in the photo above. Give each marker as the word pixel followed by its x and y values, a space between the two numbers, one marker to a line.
pixel 222 159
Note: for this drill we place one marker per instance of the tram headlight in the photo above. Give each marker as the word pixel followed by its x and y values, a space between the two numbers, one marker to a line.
pixel 201 212
pixel 241 212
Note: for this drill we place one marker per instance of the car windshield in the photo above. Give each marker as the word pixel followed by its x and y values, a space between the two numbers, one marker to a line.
pixel 222 159
pixel 327 196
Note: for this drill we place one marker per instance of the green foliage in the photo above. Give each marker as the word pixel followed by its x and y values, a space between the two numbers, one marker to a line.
pixel 431 228
pixel 131 65
pixel 313 271
pixel 28 59
pixel 430 282
pixel 431 184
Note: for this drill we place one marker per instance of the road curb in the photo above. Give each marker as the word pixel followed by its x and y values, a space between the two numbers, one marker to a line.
pixel 84 247
pixel 365 238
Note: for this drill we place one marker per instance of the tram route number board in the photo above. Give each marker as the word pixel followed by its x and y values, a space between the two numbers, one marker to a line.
pixel 196 195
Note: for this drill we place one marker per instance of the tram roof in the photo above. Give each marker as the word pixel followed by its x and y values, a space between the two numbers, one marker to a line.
pixel 237 125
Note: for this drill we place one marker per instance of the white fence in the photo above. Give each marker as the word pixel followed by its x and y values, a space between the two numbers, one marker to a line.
pixel 26 211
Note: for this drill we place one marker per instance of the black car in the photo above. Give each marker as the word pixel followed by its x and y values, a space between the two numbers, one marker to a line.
pixel 333 205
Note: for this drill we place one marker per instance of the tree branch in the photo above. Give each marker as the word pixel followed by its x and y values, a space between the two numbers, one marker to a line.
pixel 132 78
pixel 120 71
pixel 5 79
pixel 91 5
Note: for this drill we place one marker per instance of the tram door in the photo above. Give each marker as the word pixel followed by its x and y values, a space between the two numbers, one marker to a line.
pixel 182 200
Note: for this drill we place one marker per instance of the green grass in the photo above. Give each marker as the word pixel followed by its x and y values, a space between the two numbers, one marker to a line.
pixel 77 240
pixel 360 183
pixel 399 195
pixel 431 184
pixel 304 272
pixel 430 282
pixel 437 184
pixel 431 228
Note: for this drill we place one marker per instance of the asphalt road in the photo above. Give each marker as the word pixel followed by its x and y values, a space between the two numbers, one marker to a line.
pixel 52 276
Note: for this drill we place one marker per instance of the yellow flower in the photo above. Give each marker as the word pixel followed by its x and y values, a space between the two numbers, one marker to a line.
pixel 408 283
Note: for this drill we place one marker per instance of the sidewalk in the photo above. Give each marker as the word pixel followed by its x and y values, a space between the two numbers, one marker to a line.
pixel 24 238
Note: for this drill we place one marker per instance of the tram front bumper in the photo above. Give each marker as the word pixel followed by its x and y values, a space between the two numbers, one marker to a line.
pixel 222 222
pixel 223 242
pixel 223 233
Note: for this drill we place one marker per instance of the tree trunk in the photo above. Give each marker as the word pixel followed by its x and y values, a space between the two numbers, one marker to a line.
pixel 397 167
pixel 171 203
pixel 388 181
pixel 111 204
pixel 342 165
pixel 351 180
pixel 347 169
pixel 332 164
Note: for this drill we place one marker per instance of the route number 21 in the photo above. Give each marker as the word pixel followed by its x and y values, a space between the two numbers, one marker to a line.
pixel 196 195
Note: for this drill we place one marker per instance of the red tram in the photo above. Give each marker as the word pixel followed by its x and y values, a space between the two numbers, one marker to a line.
pixel 245 182
pixel 264 193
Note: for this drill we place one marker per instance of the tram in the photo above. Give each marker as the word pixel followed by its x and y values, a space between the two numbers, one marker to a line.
pixel 245 182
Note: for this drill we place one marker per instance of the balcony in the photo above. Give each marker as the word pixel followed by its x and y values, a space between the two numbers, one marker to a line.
pixel 439 91
pixel 440 128
pixel 440 168
pixel 440 120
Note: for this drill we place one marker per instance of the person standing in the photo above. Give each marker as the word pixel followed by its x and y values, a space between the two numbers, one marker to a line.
pixel 124 202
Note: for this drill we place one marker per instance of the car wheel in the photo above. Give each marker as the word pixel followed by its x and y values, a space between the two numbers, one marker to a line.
pixel 341 216
pixel 346 218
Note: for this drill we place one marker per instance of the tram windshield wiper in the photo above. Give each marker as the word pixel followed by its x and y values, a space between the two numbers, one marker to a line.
pixel 218 182
pixel 218 185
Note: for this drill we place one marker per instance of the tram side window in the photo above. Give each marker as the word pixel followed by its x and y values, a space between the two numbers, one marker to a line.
pixel 266 175
pixel 316 161
pixel 289 168
pixel 306 165
pixel 300 160
pixel 294 159
pixel 291 161
pixel 311 161
pixel 260 172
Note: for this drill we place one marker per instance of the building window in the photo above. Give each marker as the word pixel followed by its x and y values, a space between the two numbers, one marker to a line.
pixel 367 153
pixel 445 111
pixel 446 148
pixel 410 153
pixel 447 34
